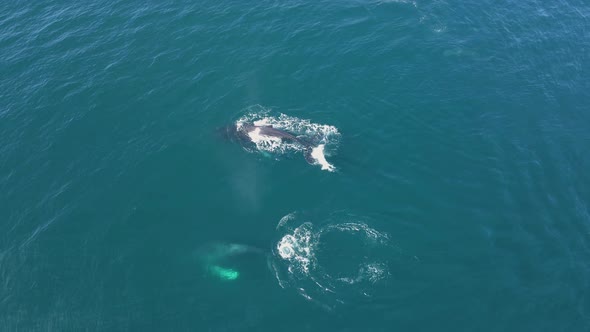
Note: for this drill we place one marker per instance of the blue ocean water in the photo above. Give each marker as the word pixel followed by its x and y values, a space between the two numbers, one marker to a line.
pixel 458 132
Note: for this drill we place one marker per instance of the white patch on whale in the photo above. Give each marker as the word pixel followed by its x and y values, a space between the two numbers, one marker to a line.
pixel 317 154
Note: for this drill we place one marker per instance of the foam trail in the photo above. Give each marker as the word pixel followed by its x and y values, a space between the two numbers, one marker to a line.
pixel 357 269
pixel 317 154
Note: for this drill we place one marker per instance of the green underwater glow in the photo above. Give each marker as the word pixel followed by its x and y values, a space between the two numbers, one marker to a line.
pixel 224 273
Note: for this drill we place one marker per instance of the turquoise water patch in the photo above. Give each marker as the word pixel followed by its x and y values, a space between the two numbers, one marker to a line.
pixel 462 134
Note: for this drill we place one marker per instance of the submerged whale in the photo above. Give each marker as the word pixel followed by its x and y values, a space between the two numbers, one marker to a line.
pixel 217 258
pixel 250 133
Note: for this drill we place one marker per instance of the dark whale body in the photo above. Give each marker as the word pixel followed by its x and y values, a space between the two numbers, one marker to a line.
pixel 241 133
pixel 273 132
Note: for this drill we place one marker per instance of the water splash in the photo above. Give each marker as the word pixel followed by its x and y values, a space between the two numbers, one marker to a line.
pixel 314 260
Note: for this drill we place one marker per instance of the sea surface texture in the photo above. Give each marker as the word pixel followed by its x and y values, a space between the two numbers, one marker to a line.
pixel 439 179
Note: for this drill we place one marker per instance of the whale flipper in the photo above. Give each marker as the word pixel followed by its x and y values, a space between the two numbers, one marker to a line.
pixel 317 154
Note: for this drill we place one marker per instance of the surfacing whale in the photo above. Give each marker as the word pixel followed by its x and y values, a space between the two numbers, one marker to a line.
pixel 250 133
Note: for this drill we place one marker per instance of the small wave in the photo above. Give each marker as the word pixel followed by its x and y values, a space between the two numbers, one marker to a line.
pixel 413 3
pixel 372 272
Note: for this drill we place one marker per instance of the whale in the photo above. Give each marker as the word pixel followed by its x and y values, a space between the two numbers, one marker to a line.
pixel 270 131
pixel 244 133
pixel 219 259
pixel 247 133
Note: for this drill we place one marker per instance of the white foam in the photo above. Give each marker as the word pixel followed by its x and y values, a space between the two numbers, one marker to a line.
pixel 297 248
pixel 284 220
pixel 317 154
pixel 356 227
pixel 373 272
pixel 285 247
